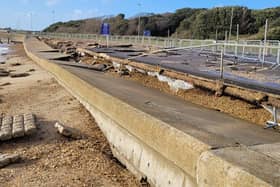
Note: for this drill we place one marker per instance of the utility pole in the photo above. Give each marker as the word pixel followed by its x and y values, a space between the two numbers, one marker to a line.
pixel 230 27
pixel 31 24
pixel 139 21
pixel 53 16
pixel 265 31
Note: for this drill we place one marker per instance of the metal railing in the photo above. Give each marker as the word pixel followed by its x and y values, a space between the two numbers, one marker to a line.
pixel 256 50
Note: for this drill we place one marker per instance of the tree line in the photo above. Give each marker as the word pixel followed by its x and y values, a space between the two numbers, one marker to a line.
pixel 185 23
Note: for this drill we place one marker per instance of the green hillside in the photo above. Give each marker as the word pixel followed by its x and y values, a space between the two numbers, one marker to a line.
pixel 185 23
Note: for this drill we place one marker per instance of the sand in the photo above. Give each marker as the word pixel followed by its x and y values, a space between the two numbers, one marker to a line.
pixel 48 159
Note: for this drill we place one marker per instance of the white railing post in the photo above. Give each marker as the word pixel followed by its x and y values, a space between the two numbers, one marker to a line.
pixel 278 54
pixel 236 48
pixel 243 48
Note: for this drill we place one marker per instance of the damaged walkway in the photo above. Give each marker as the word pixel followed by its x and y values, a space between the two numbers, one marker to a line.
pixel 237 142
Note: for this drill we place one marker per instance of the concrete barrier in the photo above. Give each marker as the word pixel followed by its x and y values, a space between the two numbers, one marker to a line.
pixel 153 149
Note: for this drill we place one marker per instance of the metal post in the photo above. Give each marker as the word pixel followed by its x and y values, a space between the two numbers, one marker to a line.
pixel 222 64
pixel 168 35
pixel 274 123
pixel 139 22
pixel 243 49
pixel 278 54
pixel 265 39
pixel 107 40
pixel 260 51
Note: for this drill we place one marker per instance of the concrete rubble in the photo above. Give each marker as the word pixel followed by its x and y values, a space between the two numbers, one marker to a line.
pixel 67 131
pixel 17 75
pixel 17 126
pixel 4 73
pixel 7 159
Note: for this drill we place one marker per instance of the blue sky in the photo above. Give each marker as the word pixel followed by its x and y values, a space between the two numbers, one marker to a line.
pixel 17 13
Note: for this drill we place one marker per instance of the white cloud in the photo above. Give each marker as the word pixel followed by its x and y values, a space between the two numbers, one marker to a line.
pixel 77 14
pixel 25 1
pixel 82 14
pixel 52 2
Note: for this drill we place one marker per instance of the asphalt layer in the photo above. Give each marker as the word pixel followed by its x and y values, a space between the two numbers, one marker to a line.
pixel 210 126
pixel 206 65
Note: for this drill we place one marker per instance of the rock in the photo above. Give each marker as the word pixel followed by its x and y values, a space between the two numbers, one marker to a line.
pixel 67 131
pixel 123 72
pixel 99 67
pixel 18 126
pixel 15 64
pixel 7 159
pixel 4 73
pixel 29 124
pixel 17 75
pixel 5 84
pixel 31 70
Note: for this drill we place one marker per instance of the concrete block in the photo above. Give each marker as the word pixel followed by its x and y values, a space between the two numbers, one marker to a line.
pixel 29 124
pixel 6 159
pixel 18 127
pixel 6 128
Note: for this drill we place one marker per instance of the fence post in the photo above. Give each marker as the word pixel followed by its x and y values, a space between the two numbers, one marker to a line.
pixel 222 63
pixel 278 54
pixel 243 49
pixel 260 51
pixel 264 51
pixel 236 48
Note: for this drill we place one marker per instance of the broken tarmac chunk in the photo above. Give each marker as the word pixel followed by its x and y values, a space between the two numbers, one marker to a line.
pixel 67 131
pixel 7 159
pixel 99 67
